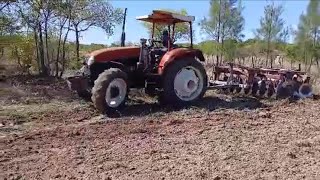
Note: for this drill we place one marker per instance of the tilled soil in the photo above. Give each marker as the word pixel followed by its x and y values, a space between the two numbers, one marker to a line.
pixel 230 139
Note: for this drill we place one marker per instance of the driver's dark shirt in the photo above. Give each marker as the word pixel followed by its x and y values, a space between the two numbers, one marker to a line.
pixel 165 39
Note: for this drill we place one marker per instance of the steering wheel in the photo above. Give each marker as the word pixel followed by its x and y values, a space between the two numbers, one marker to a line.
pixel 153 41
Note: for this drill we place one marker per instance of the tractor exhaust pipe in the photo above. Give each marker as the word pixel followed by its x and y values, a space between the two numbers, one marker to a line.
pixel 123 35
pixel 143 54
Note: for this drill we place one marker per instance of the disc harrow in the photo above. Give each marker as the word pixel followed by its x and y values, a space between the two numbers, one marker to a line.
pixel 261 82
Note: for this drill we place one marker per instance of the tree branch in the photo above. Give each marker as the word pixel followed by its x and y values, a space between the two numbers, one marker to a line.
pixel 5 5
pixel 88 26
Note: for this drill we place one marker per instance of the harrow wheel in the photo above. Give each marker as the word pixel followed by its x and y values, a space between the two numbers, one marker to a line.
pixel 184 81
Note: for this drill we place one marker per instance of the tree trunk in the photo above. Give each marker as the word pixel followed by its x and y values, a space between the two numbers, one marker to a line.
pixel 35 36
pixel 44 70
pixel 77 43
pixel 317 62
pixel 64 52
pixel 223 31
pixel 268 49
pixel 2 51
pixel 221 53
pixel 219 24
pixel 311 62
pixel 252 61
pixel 58 52
pixel 46 41
pixel 16 52
pixel 305 58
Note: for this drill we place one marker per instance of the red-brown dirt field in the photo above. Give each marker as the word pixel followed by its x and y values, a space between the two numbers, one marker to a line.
pixel 46 132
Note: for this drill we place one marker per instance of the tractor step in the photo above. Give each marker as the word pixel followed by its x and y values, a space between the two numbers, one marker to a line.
pixel 153 79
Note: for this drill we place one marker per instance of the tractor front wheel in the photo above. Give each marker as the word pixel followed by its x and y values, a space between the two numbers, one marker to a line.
pixel 184 81
pixel 110 90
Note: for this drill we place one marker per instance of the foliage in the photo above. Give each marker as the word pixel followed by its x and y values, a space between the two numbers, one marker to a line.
pixel 308 34
pixel 230 49
pixel 23 52
pixel 271 28
pixel 271 24
pixel 292 52
pixel 85 14
pixel 225 20
pixel 208 47
pixel 49 23
pixel 225 23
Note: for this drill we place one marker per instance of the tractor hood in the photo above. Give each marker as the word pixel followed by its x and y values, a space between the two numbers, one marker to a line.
pixel 114 53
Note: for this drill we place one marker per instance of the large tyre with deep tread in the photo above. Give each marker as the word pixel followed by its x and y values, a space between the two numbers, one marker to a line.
pixel 104 84
pixel 169 95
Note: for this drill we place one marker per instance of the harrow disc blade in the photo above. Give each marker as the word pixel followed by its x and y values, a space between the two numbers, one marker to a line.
pixel 262 92
pixel 231 90
pixel 255 88
pixel 270 89
pixel 238 90
pixel 246 90
pixel 305 90
pixel 270 92
pixel 262 88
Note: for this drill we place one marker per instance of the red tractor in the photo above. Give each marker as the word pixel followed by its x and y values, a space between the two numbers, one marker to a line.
pixel 174 74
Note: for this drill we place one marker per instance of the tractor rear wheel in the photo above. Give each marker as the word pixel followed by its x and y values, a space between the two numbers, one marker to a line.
pixel 110 90
pixel 184 81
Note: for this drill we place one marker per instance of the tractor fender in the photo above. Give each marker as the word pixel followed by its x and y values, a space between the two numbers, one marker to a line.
pixel 115 64
pixel 176 54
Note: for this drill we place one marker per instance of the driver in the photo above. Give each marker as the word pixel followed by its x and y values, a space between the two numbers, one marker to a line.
pixel 165 38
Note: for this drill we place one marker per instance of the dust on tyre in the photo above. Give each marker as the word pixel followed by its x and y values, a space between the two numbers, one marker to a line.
pixel 184 81
pixel 110 90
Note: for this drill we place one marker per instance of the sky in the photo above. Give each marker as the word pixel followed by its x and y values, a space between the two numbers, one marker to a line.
pixel 253 10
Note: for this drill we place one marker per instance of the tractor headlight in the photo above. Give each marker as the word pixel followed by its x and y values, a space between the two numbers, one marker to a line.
pixel 90 61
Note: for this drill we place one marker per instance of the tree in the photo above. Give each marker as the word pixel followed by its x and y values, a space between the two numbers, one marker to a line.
pixel 88 13
pixel 271 26
pixel 308 34
pixel 182 31
pixel 224 22
pixel 31 14
pixel 292 52
pixel 63 13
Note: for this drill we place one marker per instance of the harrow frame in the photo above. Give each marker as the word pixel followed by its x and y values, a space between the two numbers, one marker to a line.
pixel 254 80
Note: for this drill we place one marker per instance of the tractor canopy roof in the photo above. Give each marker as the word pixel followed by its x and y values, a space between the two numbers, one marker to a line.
pixel 165 17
